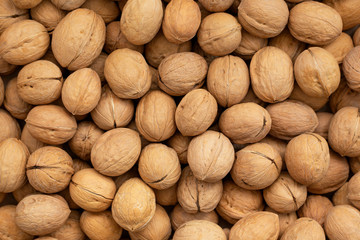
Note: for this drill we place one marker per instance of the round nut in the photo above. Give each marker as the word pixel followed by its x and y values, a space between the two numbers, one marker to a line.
pixel 71 229
pixel 8 227
pixel 180 144
pixel 47 14
pixel 16 106
pixel 301 228
pixel 68 5
pixel 324 119
pixel 353 190
pixel 10 14
pixel 344 97
pixel 285 219
pixel 249 45
pixel 10 127
pixel 351 67
pixel 349 11
pixel 356 37
pixel 340 196
pixel 199 229
pixel 166 197
pixel 315 207
pixel 31 142
pixel 108 10
pixel 315 103
pixel 340 47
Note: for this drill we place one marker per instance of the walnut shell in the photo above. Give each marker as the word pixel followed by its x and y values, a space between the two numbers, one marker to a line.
pixel 324 119
pixel 198 196
pixel 315 103
pixel 304 228
pixel 49 169
pixel 51 124
pixel 10 14
pixel 25 36
pixel 291 118
pixel 340 47
pixel 315 23
pixel 100 226
pixel 68 5
pixel 340 196
pixel 108 10
pixel 182 72
pixel 228 80
pixel 217 5
pixel 181 21
pixel 315 207
pixel 356 37
pixel 10 127
pixel 47 14
pixel 91 190
pixel 13 157
pixel 71 229
pixel 25 190
pixel 167 197
pixel 285 219
pixel 285 195
pixel 249 45
pixel 219 34
pixel 263 19
pixel 199 229
pixel 31 142
pixel 271 72
pixel 141 20
pixel 16 106
pixel 344 97
pixel 41 214
pixel 344 132
pixel 353 190
pixel 349 11
pixel 78 38
pixel 132 173
pixel 180 144
pixel 155 116
pixel 8 228
pixel 6 68
pixel 134 205
pixel 248 227
pixel 354 164
pixel 245 123
pixel 351 68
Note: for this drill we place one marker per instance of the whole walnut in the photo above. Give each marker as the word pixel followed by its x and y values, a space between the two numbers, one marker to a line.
pixel 181 21
pixel 340 196
pixel 237 202
pixel 356 37
pixel 196 112
pixel 351 68
pixel 91 190
pixel 100 226
pixel 315 23
pixel 78 38
pixel 307 158
pixel 10 14
pixel 180 144
pixel 251 97
pixel 291 118
pixel 132 173
pixel 8 227
pixel 324 119
pixel 344 97
pixel 159 227
pixel 285 219
pixel 51 124
pixel 141 20
pixel 228 80
pixel 340 47
pixel 134 205
pixel 108 10
pixel 12 41
pixel 25 190
pixel 353 190
pixel 6 68
pixel 49 169
pixel 285 195
pixel 99 64
pixel 317 72
pixel 248 227
pixel 286 42
pixel 349 11
pixel 84 139
pixel 278 145
pixel 219 34
pixel 13 157
pixel 354 164
pixel 249 45
pixel 167 197
pixel 271 71
pixel 315 103
pixel 182 72
pixel 79 165
pixel 197 196
pixel 26 4
pixel 127 73
pixel 304 228
pixel 342 222
pixel 156 107
pixel 179 216
pixel 315 207
pixel 39 82
pixel 68 5
pixel 10 127
pixel 31 142
pixel 263 19
pixel 81 91
pixel 13 102
pixel 71 229
pixel 343 132
pixel 210 156
pixel 47 14
pixel 256 166
pixel 245 123
pixel 41 214
pixel 203 11
pixel 199 229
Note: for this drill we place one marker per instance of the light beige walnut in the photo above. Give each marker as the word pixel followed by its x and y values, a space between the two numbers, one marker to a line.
pixel 349 11
pixel 31 142
pixel 199 229
pixel 344 97
pixel 8 227
pixel 249 45
pixel 47 14
pixel 98 65
pixel 353 190
pixel 340 196
pixel 180 144
pixel 108 10
pixel 315 207
pixel 315 103
pixel 10 14
pixel 324 119
pixel 356 37
pixel 25 190
pixel 10 127
pixel 71 229
pixel 351 68
pixel 167 197
pixel 301 228
pixel 217 5
pixel 285 219
pixel 340 47
pixel 6 68
pixel 13 102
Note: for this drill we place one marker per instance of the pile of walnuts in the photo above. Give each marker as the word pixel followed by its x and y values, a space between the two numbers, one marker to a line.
pixel 179 119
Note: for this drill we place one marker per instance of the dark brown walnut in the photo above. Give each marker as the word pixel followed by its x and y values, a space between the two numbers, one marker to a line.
pixel 115 39
pixel 344 132
pixel 155 116
pixel 315 103
pixel 219 34
pixel 84 139
pixel 317 72
pixel 13 39
pixel 13 157
pixel 354 164
pixel 285 219
pixel 245 123
pixel 68 5
pixel 271 72
pixel 285 195
pixel 301 229
pixel 40 82
pixel 31 142
pixel 91 190
pixel 351 68
pixel 10 127
pixel 349 11
pixel 98 65
pixel 199 229
pixel 249 45
pixel 108 10
pixel 197 196
pixel 324 119
pixel 182 72
pixel 167 197
pixel 237 202
pixel 71 228
pixel 180 144
pixel 256 166
pixel 353 190
pixel 344 97
pixel 263 19
pixel 47 14
pixel 6 68
pixel 340 196
pixel 51 124
pixel 340 47
pixel 8 227
pixel 116 151
pixel 10 14
pixel 49 169
pixel 13 102
pixel 228 80
pixel 41 214
pixel 78 38
pixel 315 23
pixel 356 37
pixel 315 207
pixel 286 42
pixel 291 118
pixel 25 190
